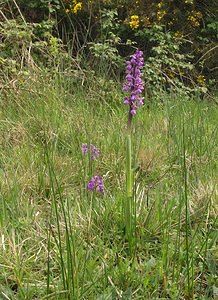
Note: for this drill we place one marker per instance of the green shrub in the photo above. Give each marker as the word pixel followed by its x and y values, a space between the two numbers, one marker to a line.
pixel 178 37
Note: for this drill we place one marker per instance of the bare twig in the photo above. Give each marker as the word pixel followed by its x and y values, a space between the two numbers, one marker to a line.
pixel 206 54
pixel 15 3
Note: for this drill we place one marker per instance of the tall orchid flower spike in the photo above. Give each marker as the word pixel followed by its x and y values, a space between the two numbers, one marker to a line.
pixel 134 87
pixel 134 84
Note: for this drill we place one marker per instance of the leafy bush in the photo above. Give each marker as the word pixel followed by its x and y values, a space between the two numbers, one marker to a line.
pixel 25 45
pixel 178 37
pixel 168 64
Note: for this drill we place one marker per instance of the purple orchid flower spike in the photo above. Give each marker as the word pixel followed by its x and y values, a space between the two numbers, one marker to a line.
pixel 96 183
pixel 84 148
pixel 95 152
pixel 134 84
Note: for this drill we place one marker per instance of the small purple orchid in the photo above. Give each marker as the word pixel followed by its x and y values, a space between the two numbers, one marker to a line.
pixel 96 183
pixel 95 152
pixel 84 148
pixel 134 84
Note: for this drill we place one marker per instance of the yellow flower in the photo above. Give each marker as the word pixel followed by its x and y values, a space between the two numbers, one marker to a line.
pixel 178 34
pixel 77 7
pixel 201 80
pixel 194 18
pixel 134 23
pixel 160 14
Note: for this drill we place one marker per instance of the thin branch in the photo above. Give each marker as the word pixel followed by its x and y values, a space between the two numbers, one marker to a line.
pixel 206 53
pixel 15 3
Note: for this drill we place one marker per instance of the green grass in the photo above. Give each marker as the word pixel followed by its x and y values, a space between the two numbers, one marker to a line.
pixel 58 241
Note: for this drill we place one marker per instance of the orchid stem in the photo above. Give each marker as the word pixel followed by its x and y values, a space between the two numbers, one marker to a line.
pixel 129 185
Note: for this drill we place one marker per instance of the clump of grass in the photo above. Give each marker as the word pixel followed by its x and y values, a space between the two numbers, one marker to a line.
pixel 54 246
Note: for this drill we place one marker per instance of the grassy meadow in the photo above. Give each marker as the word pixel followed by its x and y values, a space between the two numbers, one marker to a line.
pixel 60 241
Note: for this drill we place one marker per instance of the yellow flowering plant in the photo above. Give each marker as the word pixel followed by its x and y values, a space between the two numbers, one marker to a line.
pixel 194 18
pixel 201 80
pixel 115 35
pixel 73 6
pixel 134 23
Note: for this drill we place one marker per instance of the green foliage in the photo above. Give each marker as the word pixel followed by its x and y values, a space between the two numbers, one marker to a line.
pixel 57 240
pixel 14 49
pixel 106 50
pixel 208 59
pixel 37 9
pixel 168 65
pixel 26 44
pixel 55 245
pixel 178 37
